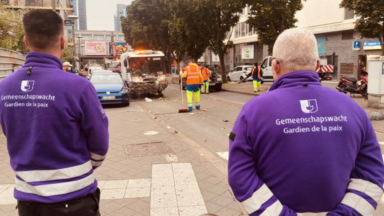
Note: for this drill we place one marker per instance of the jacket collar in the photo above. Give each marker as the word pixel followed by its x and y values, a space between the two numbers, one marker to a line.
pixel 296 78
pixel 39 59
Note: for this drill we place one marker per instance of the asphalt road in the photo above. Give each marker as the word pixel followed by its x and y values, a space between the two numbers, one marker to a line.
pixel 211 125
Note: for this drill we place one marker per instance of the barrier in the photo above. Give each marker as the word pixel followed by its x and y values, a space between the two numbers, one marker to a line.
pixel 10 61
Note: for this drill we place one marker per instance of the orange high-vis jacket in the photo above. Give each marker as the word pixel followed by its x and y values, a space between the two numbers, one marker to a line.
pixel 192 73
pixel 205 72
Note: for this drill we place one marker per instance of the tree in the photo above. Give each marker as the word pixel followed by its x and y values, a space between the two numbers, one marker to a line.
pixel 220 17
pixel 11 30
pixel 271 18
pixel 371 21
pixel 67 54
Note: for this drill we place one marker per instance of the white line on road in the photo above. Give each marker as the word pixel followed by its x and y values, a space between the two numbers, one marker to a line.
pixel 175 191
pixel 224 155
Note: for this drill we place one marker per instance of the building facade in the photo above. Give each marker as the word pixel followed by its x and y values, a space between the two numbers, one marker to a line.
pixel 338 43
pixel 120 12
pixel 82 11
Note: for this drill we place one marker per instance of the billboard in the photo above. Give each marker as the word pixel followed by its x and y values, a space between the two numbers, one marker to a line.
pixel 120 48
pixel 95 48
pixel 247 52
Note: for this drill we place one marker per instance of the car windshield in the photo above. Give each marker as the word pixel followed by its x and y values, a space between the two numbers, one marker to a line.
pixel 114 64
pixel 106 79
pixel 146 65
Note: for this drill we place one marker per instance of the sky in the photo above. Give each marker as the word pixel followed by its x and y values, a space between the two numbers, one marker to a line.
pixel 100 13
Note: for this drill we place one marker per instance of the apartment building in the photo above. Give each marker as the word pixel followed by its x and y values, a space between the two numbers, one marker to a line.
pixel 120 12
pixel 334 30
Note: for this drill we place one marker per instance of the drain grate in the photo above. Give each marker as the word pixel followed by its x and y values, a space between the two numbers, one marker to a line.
pixel 147 149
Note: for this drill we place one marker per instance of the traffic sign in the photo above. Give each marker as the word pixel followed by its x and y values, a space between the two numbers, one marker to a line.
pixel 68 22
pixel 356 45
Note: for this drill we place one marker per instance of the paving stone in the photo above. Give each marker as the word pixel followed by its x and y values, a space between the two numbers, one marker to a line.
pixel 115 184
pixel 112 193
pixel 110 207
pixel 221 201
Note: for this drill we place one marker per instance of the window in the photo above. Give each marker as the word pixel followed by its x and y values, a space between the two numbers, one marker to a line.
pixel 347 35
pixel 348 14
pixel 121 38
pixel 109 37
pixel 98 37
pixel 4 2
pixel 237 30
pixel 34 2
pixel 86 37
pixel 243 29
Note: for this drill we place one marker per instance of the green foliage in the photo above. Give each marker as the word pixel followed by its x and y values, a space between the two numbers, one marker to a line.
pixel 11 30
pixel 219 17
pixel 271 18
pixel 371 21
pixel 67 54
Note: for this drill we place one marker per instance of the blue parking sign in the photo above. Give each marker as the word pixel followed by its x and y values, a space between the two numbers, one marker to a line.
pixel 356 45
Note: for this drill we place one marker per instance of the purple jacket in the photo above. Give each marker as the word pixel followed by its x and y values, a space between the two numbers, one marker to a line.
pixel 301 148
pixel 56 129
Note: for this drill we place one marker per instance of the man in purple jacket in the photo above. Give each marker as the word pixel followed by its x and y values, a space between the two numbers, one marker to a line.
pixel 56 129
pixel 302 147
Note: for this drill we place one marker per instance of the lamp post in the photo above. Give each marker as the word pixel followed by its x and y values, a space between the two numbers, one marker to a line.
pixel 78 48
pixel 73 18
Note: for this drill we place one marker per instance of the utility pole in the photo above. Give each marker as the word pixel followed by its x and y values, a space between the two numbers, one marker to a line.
pixel 53 2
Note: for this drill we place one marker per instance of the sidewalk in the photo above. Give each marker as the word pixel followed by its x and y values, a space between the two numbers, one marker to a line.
pixel 150 169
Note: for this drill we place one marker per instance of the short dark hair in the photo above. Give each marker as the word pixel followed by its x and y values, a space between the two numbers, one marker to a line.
pixel 42 28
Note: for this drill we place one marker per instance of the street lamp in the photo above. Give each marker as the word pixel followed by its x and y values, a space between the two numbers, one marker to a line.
pixel 78 48
pixel 73 18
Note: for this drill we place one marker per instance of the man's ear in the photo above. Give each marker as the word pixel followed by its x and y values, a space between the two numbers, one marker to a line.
pixel 275 67
pixel 26 41
pixel 62 42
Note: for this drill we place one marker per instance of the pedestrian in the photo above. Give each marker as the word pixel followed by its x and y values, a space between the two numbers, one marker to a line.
pixel 302 147
pixel 205 72
pixel 257 76
pixel 194 78
pixel 56 129
pixel 67 66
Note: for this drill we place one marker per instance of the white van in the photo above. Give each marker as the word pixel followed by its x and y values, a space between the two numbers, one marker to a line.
pixel 267 69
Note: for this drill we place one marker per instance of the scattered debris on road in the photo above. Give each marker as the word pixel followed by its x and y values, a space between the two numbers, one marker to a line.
pixel 225 120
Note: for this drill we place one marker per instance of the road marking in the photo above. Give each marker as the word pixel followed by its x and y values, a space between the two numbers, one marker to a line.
pixel 224 155
pixel 175 191
pixel 113 189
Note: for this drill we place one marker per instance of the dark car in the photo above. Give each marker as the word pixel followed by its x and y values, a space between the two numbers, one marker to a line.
pixel 110 88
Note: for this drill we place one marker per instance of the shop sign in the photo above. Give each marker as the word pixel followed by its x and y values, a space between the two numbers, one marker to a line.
pixel 95 48
pixel 321 39
pixel 372 45
pixel 356 45
pixel 215 58
pixel 247 52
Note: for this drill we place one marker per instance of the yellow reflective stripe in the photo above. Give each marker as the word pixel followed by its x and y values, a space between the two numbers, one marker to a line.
pixel 95 156
pixel 274 209
pixel 58 174
pixel 359 204
pixel 193 76
pixel 312 214
pixel 54 188
pixel 372 190
pixel 259 197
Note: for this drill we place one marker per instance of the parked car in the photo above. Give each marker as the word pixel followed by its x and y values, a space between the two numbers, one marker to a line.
pixel 239 73
pixel 215 80
pixel 110 88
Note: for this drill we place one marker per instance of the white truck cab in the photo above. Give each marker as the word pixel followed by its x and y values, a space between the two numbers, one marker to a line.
pixel 266 66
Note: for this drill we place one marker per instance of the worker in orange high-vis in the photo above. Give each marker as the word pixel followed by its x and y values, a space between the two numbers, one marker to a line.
pixel 194 78
pixel 205 72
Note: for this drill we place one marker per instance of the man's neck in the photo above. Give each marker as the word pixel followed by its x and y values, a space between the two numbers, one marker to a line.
pixel 50 52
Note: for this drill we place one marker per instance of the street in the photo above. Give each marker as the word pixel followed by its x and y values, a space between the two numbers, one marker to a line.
pixel 162 162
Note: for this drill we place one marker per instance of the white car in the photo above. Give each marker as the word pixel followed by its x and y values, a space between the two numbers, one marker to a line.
pixel 239 73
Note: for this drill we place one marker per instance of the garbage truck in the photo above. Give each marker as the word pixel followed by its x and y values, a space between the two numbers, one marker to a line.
pixel 144 70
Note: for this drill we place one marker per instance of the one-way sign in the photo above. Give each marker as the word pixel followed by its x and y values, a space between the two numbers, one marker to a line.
pixel 68 22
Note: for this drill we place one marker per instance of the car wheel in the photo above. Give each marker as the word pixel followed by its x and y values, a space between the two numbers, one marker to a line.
pixel 228 79
pixel 218 87
pixel 241 78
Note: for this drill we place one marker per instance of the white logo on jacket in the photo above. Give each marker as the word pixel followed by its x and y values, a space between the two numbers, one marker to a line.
pixel 309 106
pixel 27 85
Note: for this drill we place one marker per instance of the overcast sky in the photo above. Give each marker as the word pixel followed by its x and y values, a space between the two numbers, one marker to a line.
pixel 100 13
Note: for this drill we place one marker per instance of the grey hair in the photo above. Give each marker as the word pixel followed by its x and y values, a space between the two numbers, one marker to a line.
pixel 297 50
